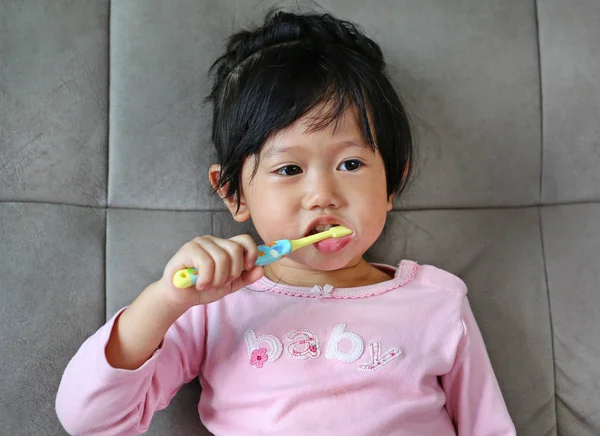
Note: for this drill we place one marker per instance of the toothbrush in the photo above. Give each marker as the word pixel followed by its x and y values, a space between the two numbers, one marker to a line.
pixel 268 253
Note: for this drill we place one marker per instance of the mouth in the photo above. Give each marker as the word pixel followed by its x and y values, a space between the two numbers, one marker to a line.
pixel 322 224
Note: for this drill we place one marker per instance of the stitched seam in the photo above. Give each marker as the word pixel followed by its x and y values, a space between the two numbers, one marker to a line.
pixel 541 102
pixel 541 91
pixel 107 160
pixel 108 52
pixel 422 209
pixel 549 317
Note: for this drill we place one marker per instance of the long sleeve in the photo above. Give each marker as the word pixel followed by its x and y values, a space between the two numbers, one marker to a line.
pixel 96 399
pixel 473 398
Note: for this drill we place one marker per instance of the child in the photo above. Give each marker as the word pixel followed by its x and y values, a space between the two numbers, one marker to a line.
pixel 309 133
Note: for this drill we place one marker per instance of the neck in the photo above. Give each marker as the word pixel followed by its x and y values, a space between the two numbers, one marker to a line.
pixel 358 273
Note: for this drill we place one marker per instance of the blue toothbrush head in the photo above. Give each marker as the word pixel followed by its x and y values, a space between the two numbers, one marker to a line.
pixel 272 252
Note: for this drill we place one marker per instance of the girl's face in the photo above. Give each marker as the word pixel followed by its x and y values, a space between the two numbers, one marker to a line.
pixel 307 178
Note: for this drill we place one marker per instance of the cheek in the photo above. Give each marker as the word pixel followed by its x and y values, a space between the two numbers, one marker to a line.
pixel 268 212
pixel 373 194
pixel 376 218
pixel 374 213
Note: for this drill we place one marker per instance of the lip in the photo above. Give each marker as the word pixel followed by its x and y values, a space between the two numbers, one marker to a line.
pixel 323 220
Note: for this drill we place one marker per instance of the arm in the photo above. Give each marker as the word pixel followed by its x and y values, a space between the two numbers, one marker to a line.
pixel 473 398
pixel 119 377
pixel 133 339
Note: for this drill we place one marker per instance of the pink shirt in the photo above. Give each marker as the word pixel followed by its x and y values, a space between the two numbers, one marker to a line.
pixel 402 357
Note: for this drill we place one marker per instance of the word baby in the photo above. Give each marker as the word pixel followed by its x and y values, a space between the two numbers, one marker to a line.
pixel 304 344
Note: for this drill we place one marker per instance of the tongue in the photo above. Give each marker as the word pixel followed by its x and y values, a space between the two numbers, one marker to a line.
pixel 332 244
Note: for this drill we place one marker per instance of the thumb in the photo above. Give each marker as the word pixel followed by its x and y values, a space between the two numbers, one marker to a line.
pixel 248 277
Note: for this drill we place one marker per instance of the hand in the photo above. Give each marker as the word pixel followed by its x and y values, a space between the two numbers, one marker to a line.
pixel 220 264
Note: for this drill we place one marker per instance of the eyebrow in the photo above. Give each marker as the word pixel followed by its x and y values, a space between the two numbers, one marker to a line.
pixel 289 149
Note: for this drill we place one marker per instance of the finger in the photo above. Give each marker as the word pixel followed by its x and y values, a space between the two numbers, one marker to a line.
pixel 221 260
pixel 210 295
pixel 197 257
pixel 236 256
pixel 188 256
pixel 250 250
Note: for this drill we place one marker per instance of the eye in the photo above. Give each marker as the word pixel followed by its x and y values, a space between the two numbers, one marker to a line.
pixel 350 165
pixel 289 170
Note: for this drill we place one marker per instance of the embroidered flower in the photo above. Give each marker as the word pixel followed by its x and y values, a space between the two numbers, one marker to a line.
pixel 259 357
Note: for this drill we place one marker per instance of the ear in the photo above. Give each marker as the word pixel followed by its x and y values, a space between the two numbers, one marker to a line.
pixel 240 215
pixel 390 202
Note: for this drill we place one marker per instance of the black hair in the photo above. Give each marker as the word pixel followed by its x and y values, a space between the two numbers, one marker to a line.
pixel 271 76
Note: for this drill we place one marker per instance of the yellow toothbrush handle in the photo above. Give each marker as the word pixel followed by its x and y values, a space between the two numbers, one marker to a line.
pixel 184 278
pixel 334 232
pixel 309 240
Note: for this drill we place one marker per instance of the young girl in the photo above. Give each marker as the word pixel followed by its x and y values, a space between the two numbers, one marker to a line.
pixel 309 133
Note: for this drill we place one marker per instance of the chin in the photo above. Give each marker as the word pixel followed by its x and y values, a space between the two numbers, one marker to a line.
pixel 331 264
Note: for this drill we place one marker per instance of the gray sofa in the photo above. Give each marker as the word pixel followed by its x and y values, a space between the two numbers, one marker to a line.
pixel 105 146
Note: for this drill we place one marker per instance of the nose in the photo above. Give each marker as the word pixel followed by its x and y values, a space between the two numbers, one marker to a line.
pixel 322 191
